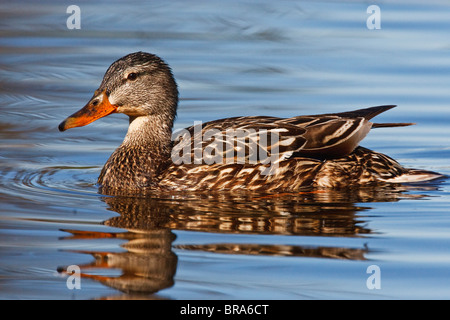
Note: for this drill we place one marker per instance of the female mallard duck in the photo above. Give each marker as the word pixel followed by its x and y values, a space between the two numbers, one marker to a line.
pixel 249 153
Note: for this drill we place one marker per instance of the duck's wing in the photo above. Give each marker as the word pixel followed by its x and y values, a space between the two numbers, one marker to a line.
pixel 331 136
pixel 257 139
pixel 243 140
pixel 335 135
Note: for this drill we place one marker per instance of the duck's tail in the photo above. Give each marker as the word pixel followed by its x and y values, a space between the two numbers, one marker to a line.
pixel 389 125
pixel 372 112
pixel 414 176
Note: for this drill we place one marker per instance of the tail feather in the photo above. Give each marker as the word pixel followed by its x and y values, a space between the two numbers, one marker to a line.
pixel 390 125
pixel 367 113
pixel 415 175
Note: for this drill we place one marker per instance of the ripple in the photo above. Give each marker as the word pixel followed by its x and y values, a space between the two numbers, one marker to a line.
pixel 50 181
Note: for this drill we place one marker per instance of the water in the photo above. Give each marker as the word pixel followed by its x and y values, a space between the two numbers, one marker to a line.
pixel 230 58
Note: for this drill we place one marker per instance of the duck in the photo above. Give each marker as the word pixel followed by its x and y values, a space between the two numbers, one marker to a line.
pixel 251 153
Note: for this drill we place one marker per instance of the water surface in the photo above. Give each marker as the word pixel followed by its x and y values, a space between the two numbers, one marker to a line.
pixel 230 58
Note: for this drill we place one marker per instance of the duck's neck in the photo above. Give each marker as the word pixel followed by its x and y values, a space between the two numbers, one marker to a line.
pixel 142 156
pixel 152 132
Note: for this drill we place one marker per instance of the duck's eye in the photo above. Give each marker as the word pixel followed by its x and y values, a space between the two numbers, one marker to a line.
pixel 132 76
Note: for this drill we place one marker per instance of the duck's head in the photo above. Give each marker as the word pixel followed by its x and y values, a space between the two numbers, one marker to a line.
pixel 139 84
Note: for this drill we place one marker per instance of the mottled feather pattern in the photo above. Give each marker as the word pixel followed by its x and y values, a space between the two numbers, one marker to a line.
pixel 135 166
pixel 362 166
pixel 319 137
pixel 242 140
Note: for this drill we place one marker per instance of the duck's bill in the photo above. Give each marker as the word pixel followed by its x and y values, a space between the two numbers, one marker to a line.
pixel 98 107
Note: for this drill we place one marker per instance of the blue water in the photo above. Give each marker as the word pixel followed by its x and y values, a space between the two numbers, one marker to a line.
pixel 281 58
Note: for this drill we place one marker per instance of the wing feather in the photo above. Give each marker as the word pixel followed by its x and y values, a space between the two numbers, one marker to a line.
pixel 251 140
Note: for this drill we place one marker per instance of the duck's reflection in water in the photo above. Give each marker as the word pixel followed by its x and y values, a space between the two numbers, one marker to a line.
pixel 149 264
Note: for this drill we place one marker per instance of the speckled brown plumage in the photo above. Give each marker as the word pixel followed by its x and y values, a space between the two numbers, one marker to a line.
pixel 304 151
pixel 362 166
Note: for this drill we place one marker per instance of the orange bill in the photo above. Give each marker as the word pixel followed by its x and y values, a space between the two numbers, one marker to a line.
pixel 98 107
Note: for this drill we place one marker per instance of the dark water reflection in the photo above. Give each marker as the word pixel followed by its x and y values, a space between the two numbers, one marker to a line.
pixel 148 263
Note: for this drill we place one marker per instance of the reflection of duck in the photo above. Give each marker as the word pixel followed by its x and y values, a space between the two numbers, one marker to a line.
pixel 150 260
pixel 287 215
pixel 147 266
pixel 327 213
pixel 318 150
